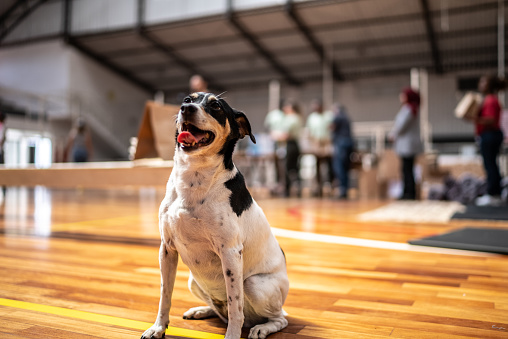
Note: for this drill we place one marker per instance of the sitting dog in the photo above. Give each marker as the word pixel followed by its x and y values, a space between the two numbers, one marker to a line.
pixel 209 218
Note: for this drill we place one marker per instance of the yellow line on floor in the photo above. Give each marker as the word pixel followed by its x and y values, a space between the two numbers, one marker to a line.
pixel 104 319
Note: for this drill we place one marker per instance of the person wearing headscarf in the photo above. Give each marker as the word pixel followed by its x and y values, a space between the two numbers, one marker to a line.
pixel 405 135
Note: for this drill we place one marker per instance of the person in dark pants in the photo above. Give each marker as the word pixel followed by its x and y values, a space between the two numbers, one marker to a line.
pixel 406 137
pixel 289 133
pixel 342 148
pixel 490 137
pixel 79 143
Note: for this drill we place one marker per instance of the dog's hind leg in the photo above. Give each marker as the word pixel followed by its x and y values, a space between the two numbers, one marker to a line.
pixel 266 294
pixel 201 312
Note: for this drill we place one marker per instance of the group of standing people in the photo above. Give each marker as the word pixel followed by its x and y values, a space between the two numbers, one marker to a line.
pixel 325 127
pixel 489 135
pixel 286 127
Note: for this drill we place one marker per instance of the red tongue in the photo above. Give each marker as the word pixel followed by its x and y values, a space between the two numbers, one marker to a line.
pixel 186 138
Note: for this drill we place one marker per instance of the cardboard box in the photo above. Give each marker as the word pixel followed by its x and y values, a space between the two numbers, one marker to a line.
pixel 389 166
pixel 156 135
pixel 469 106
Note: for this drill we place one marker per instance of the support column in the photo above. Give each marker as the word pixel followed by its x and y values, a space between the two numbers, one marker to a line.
pixel 328 78
pixel 501 48
pixel 425 128
pixel 420 82
pixel 273 95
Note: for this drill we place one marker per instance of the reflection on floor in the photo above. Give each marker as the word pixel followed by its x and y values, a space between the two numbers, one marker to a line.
pixel 95 252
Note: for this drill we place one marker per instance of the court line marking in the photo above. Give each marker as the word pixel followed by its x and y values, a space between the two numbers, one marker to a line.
pixel 388 245
pixel 104 319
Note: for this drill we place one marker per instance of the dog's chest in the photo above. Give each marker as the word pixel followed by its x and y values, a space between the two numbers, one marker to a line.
pixel 198 212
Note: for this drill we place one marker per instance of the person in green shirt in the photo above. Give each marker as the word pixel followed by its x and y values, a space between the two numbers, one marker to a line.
pixel 318 129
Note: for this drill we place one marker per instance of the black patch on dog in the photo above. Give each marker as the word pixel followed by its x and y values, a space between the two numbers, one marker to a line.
pixel 216 109
pixel 240 198
pixel 227 153
pixel 228 273
pixel 229 146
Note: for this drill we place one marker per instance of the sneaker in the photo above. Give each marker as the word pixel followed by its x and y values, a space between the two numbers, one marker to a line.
pixel 488 200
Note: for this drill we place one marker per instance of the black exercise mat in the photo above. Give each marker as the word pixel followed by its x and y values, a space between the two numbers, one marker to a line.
pixel 469 238
pixel 483 213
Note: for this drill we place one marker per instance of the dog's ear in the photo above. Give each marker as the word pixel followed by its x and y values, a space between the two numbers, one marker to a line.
pixel 244 125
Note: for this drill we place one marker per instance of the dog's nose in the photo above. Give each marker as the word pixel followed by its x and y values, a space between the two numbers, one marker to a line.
pixel 188 109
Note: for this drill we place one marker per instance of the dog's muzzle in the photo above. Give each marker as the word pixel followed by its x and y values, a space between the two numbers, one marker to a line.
pixel 191 137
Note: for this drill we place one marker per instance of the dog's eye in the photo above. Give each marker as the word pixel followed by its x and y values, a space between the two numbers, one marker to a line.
pixel 187 100
pixel 215 105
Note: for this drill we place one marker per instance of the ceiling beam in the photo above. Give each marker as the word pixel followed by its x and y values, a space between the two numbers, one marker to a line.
pixel 111 66
pixel 9 11
pixel 175 57
pixel 168 50
pixel 312 40
pixel 16 14
pixel 431 36
pixel 256 44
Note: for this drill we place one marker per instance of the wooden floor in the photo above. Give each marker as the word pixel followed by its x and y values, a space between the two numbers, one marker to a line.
pixel 83 264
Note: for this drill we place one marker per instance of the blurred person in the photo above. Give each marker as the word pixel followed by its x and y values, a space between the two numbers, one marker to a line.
pixel 3 135
pixel 490 137
pixel 198 84
pixel 342 139
pixel 289 135
pixel 274 126
pixel 318 128
pixel 405 135
pixel 79 143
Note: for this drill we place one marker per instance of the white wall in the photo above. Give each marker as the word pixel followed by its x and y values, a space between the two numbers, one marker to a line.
pixel 41 68
pixel 80 85
pixel 45 20
pixel 443 97
pixel 366 100
pixel 116 103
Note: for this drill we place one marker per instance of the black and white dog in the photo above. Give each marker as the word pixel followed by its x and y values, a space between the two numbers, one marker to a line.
pixel 209 218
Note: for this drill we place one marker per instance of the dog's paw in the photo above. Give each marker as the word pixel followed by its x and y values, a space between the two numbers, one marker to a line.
pixel 263 330
pixel 200 312
pixel 156 331
pixel 259 332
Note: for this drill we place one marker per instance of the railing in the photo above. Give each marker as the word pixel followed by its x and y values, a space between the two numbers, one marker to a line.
pixel 69 106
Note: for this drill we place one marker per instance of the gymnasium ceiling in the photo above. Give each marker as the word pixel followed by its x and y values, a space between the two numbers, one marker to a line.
pixel 292 42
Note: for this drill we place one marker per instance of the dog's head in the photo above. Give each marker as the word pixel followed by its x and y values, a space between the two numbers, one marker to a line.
pixel 207 125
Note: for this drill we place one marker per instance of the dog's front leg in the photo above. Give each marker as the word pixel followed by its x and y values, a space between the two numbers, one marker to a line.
pixel 232 266
pixel 168 261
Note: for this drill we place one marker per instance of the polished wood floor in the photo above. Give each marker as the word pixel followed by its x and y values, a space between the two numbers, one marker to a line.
pixel 83 264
